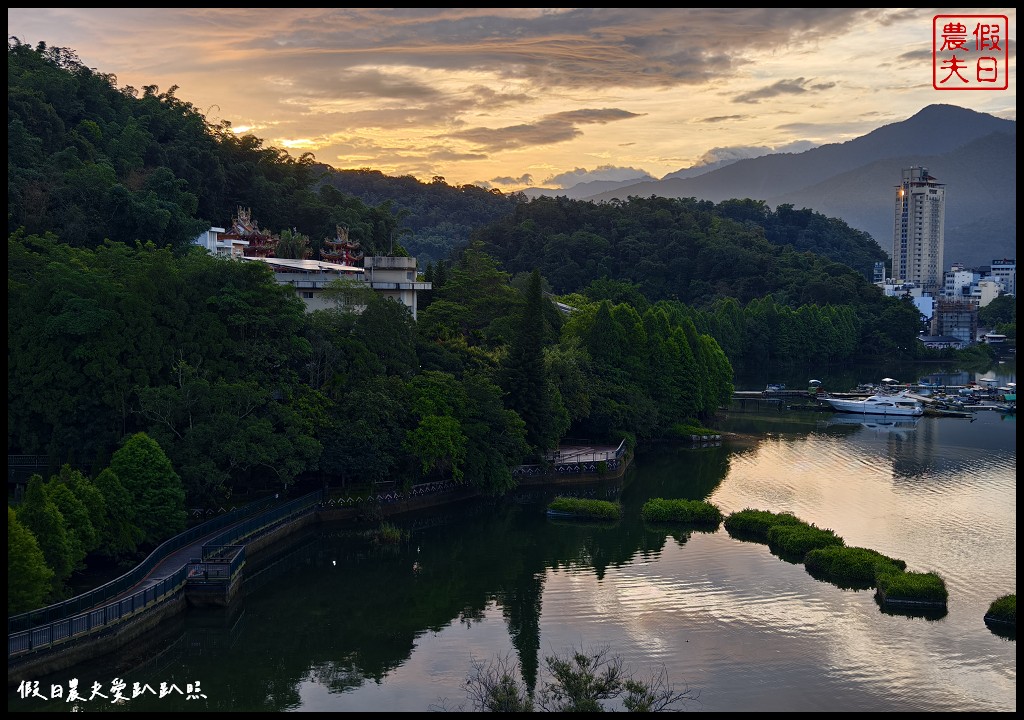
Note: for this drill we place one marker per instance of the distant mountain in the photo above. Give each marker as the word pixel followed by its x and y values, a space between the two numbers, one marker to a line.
pixel 584 190
pixel 981 209
pixel 973 153
pixel 587 190
pixel 697 170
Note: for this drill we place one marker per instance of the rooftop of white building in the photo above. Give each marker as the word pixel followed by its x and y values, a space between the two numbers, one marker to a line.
pixel 292 265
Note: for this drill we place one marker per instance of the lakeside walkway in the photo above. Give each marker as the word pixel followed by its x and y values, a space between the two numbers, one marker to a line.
pixel 164 569
pixel 208 555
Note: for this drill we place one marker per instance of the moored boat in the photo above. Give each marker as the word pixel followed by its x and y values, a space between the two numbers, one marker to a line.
pixel 897 404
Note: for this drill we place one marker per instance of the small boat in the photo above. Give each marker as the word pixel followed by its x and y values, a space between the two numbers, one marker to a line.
pixel 898 404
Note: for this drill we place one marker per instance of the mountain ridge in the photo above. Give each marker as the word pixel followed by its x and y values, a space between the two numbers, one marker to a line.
pixel 981 196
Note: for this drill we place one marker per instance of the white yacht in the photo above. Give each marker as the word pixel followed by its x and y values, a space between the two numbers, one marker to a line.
pixel 897 404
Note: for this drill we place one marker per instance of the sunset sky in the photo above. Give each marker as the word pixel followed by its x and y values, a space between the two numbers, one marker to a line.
pixel 510 98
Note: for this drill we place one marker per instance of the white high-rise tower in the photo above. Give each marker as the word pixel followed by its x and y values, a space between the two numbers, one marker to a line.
pixel 919 233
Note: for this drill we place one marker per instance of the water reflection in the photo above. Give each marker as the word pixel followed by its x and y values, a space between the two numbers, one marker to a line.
pixel 336 623
pixel 881 423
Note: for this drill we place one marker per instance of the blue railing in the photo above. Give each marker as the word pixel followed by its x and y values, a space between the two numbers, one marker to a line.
pixel 96 619
pixel 261 523
pixel 580 463
pixel 47 633
pixel 93 598
pixel 217 567
pixel 392 496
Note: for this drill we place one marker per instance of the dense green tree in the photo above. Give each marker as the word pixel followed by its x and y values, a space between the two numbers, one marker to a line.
pixel 362 439
pixel 528 390
pixel 118 324
pixel 157 493
pixel 42 518
pixel 440 447
pixel 436 439
pixel 91 498
pixel 120 535
pixel 496 438
pixel 28 576
pixel 82 536
pixel 293 244
pixel 567 365
pixel 1001 311
pixel 669 373
pixel 477 283
pixel 386 329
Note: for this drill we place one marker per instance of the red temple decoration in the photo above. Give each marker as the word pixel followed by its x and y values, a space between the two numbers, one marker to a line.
pixel 341 250
pixel 243 227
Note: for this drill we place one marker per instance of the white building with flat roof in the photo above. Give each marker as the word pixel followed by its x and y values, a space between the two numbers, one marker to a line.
pixel 215 245
pixel 393 277
pixel 1005 271
pixel 985 291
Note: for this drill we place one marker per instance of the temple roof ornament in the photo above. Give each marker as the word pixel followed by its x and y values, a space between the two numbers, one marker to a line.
pixel 341 249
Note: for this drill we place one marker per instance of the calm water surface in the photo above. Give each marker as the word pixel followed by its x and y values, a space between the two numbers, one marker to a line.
pixel 337 624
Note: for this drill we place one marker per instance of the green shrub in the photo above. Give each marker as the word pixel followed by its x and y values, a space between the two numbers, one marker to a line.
pixel 593 509
pixel 687 430
pixel 630 439
pixel 756 523
pixel 579 681
pixel 911 587
pixel 798 540
pixel 686 511
pixel 390 534
pixel 1003 609
pixel 850 566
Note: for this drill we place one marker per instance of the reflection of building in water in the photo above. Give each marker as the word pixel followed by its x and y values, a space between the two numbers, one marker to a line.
pixel 942 379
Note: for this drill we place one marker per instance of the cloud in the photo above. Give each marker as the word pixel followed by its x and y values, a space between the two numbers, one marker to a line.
pixel 524 179
pixel 721 118
pixel 589 115
pixel 737 152
pixel 603 172
pixel 559 127
pixel 915 58
pixel 831 131
pixel 796 86
pixel 583 48
pixel 470 92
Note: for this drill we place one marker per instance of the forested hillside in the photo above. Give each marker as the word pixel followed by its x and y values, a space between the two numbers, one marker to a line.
pixel 435 219
pixel 683 249
pixel 153 376
pixel 89 161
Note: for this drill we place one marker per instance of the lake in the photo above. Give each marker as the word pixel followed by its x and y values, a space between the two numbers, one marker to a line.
pixel 336 623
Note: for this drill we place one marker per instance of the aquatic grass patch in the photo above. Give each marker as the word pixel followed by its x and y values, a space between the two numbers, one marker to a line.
pixel 850 567
pixel 911 588
pixel 793 542
pixel 697 512
pixel 691 430
pixel 388 534
pixel 750 524
pixel 1003 610
pixel 1001 617
pixel 826 557
pixel 585 508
